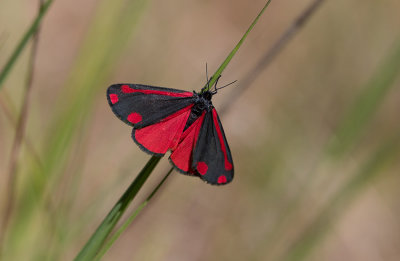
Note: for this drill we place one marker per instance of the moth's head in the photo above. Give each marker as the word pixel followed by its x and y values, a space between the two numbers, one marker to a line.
pixel 207 95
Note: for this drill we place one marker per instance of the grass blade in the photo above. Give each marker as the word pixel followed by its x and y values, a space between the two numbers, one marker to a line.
pixel 22 44
pixel 367 103
pixel 386 154
pixel 222 67
pixel 347 134
pixel 272 53
pixel 19 137
pixel 112 27
pixel 131 218
pixel 96 241
pixel 11 117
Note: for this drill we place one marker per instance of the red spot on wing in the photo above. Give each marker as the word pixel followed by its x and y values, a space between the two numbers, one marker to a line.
pixel 228 165
pixel 221 179
pixel 113 98
pixel 182 155
pixel 164 135
pixel 126 89
pixel 202 167
pixel 134 117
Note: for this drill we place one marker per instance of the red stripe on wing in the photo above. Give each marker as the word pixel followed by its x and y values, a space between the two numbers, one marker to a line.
pixel 126 89
pixel 228 165
pixel 181 157
pixel 164 135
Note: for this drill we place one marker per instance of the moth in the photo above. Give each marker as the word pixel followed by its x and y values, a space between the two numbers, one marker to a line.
pixel 186 123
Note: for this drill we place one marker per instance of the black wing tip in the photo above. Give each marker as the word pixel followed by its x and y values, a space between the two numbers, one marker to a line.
pixel 113 108
pixel 144 148
pixel 216 183
pixel 115 87
pixel 190 174
pixel 108 96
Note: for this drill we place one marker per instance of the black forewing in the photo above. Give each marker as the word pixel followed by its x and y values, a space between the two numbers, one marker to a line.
pixel 212 159
pixel 150 104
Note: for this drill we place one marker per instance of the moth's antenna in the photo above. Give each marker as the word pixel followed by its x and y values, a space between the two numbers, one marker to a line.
pixel 226 85
pixel 208 81
pixel 206 73
pixel 216 82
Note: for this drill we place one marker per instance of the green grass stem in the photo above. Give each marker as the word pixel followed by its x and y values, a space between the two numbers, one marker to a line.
pixel 366 104
pixel 130 219
pixel 99 53
pixel 96 241
pixel 387 154
pixel 225 63
pixel 23 42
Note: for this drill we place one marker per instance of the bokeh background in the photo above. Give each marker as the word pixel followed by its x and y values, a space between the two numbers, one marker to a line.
pixel 315 138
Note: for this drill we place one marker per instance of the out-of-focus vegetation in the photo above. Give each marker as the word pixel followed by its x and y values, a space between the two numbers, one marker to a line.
pixel 315 139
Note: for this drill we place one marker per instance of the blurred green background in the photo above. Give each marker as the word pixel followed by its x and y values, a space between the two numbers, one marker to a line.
pixel 315 139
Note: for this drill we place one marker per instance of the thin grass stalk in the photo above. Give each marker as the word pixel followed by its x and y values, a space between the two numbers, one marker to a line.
pixel 130 219
pixel 23 42
pixel 87 79
pixel 272 53
pixel 101 49
pixel 379 85
pixel 9 113
pixel 367 103
pixel 91 248
pixel 225 63
pixel 19 132
pixel 88 215
pixel 388 153
pixel 58 206
pixel 348 133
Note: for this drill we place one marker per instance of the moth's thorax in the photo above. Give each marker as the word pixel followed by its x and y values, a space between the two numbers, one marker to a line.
pixel 207 95
pixel 201 104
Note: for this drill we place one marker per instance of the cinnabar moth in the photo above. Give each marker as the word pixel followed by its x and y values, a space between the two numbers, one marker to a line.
pixel 184 122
